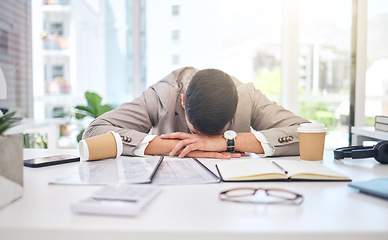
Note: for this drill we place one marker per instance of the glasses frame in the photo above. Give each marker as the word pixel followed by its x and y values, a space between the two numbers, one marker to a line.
pixel 297 199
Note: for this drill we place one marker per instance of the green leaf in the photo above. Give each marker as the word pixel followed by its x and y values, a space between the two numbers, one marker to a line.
pixel 79 136
pixel 94 101
pixel 79 116
pixel 94 109
pixel 86 111
pixel 7 121
pixel 104 109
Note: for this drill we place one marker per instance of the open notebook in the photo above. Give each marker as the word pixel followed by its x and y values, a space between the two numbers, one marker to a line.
pixel 273 169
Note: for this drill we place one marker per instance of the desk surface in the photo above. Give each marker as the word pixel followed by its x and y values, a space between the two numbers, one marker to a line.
pixel 331 210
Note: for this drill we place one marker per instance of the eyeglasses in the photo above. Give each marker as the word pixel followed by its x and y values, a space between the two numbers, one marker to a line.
pixel 272 196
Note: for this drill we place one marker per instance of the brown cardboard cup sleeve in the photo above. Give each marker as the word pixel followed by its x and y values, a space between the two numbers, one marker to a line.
pixel 311 141
pixel 108 145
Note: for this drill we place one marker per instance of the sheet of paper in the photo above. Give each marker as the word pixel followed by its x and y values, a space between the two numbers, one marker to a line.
pixel 123 169
pixel 183 171
pixel 138 170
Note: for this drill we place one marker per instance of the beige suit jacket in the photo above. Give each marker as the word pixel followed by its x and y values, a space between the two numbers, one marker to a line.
pixel 158 110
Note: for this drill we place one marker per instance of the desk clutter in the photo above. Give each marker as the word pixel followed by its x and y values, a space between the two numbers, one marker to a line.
pixel 127 195
pixel 131 183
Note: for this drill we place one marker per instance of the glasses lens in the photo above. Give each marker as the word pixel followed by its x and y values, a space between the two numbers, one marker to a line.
pixel 278 193
pixel 240 192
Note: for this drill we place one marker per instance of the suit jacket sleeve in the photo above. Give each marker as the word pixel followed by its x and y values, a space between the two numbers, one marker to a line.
pixel 133 120
pixel 276 123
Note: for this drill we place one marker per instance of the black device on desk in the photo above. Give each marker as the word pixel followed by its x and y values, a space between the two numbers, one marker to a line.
pixel 378 151
pixel 50 160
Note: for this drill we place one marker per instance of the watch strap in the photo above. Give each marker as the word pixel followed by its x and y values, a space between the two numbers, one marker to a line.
pixel 230 145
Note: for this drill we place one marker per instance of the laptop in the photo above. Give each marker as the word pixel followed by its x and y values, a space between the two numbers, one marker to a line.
pixel 377 187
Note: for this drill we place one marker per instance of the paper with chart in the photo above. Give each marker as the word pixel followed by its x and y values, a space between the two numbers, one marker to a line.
pixel 123 169
pixel 183 171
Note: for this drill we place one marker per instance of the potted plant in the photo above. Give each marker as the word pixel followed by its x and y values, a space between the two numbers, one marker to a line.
pixel 11 161
pixel 93 109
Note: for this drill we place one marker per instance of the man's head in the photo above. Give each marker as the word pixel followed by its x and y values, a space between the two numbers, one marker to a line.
pixel 210 101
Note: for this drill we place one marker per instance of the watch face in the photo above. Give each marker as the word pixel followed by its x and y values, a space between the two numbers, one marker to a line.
pixel 230 134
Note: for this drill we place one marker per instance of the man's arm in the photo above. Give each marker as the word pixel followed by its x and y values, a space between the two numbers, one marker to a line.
pixel 169 143
pixel 131 120
pixel 244 142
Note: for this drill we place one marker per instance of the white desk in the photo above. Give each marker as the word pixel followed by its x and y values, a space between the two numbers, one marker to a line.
pixel 331 210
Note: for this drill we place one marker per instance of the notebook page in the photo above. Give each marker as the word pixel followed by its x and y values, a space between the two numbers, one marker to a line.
pixel 310 170
pixel 250 169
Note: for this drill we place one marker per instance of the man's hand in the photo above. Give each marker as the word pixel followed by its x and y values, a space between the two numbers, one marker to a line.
pixel 200 145
pixel 219 155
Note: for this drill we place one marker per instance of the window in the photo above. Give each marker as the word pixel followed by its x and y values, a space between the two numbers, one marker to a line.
pixel 57 112
pixel 175 10
pixel 57 83
pixel 56 29
pixel 57 71
pixel 245 39
pixel 228 35
pixel 324 66
pixel 175 35
pixel 175 59
pixel 376 79
pixel 241 37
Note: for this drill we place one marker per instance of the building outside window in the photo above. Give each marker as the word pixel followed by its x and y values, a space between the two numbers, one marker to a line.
pixel 15 55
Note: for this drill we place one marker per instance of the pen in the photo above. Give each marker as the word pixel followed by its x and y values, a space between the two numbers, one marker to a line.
pixel 280 167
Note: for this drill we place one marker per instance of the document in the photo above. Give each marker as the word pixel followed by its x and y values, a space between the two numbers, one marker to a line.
pixel 184 171
pixel 276 169
pixel 123 169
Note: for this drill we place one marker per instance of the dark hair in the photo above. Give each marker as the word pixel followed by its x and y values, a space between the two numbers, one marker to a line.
pixel 210 101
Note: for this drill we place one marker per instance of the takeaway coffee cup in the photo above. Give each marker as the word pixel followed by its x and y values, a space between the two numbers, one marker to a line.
pixel 311 141
pixel 108 145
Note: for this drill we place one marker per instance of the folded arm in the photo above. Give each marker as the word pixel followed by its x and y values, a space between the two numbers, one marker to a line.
pixel 174 143
pixel 214 144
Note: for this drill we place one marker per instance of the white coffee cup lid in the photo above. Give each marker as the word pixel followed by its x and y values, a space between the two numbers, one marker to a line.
pixel 83 150
pixel 312 127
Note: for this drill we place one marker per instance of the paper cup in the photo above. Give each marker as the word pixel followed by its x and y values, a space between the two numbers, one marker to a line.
pixel 311 141
pixel 108 145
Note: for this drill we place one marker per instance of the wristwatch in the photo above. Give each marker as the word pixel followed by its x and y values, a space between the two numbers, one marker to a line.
pixel 230 137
